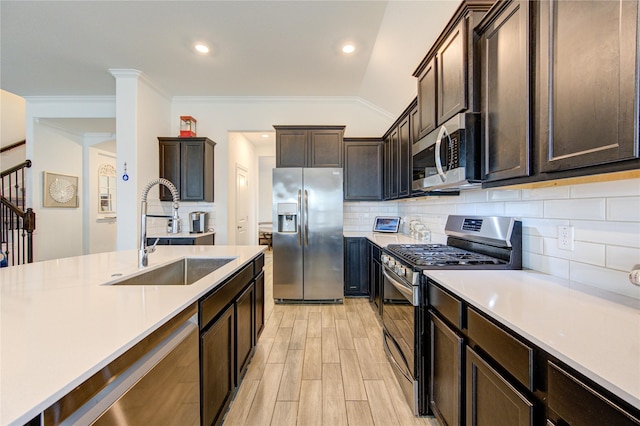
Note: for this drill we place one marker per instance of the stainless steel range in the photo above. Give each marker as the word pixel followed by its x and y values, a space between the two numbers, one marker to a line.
pixel 474 242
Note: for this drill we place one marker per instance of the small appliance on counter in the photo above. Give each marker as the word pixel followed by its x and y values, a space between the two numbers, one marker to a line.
pixel 197 222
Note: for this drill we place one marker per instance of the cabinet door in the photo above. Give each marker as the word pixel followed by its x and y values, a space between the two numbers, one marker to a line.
pixel 245 335
pixel 325 148
pixel 291 147
pixel 427 98
pixel 355 280
pixel 447 349
pixel 491 399
pixel 363 171
pixel 577 404
pixel 259 306
pixel 393 164
pixel 404 158
pixel 170 168
pixel 587 83
pixel 505 98
pixel 192 188
pixel 452 74
pixel 217 368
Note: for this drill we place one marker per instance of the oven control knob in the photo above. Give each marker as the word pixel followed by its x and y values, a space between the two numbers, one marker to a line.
pixel 384 258
pixel 401 270
pixel 391 263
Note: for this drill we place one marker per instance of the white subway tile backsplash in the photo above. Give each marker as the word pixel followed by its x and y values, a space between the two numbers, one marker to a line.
pixel 549 265
pixel 626 209
pixel 589 208
pixel 490 209
pixel 524 209
pixel 548 193
pixel 622 258
pixel 626 234
pixel 608 279
pixel 533 244
pixel 583 252
pixel 504 194
pixel 475 196
pixel 618 188
pixel 542 227
pixel 605 217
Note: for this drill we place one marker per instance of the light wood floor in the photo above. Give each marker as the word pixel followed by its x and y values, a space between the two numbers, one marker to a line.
pixel 320 365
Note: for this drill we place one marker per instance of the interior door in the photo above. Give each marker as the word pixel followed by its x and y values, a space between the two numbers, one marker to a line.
pixel 242 205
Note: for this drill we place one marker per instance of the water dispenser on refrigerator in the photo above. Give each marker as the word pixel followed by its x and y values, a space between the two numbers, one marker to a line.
pixel 287 217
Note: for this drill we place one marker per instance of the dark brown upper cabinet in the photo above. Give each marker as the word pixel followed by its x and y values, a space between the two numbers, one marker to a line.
pixel 448 71
pixel 309 146
pixel 427 98
pixel 587 83
pixel 363 173
pixel 189 164
pixel 504 48
pixel 398 141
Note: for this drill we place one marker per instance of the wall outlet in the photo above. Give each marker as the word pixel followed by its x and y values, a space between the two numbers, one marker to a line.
pixel 565 238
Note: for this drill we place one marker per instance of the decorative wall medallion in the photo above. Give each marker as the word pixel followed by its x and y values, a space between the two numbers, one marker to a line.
pixel 60 190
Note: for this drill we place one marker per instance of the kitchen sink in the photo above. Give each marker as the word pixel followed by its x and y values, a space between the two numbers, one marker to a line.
pixel 182 272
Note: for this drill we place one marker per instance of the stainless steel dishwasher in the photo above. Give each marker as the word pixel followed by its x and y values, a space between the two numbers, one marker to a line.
pixel 155 382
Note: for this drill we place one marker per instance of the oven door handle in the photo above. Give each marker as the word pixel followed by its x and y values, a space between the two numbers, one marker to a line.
pixel 410 294
pixel 393 360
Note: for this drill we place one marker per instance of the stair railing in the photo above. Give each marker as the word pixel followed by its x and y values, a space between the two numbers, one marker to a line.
pixel 17 222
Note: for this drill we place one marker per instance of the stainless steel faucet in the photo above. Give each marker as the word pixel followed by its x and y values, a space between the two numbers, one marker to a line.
pixel 143 252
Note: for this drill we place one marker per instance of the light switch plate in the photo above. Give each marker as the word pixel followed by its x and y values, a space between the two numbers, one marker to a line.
pixel 565 238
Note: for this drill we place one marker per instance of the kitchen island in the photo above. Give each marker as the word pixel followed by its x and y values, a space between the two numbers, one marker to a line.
pixel 62 321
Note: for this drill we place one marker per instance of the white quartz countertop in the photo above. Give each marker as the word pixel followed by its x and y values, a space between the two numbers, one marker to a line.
pixel 597 334
pixel 60 323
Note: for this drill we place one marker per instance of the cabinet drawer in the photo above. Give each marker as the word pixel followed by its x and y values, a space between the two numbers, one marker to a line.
pixel 213 304
pixel 258 264
pixel 513 355
pixel 447 305
pixel 577 404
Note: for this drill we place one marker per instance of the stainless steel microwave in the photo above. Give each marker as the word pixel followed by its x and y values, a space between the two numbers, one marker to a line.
pixel 448 158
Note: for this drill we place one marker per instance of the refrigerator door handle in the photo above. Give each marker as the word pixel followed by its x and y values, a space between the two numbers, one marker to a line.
pixel 306 218
pixel 299 218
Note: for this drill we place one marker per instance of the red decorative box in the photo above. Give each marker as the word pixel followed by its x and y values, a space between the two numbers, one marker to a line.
pixel 187 126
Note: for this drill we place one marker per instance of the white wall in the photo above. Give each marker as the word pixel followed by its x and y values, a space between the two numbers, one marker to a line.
pixel 217 116
pixel 605 217
pixel 12 129
pixel 265 195
pixel 59 231
pixel 12 118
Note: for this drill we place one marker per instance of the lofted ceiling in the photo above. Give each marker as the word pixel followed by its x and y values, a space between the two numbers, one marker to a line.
pixel 258 48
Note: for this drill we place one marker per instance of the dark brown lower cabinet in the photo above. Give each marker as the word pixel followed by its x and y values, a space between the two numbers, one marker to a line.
pixel 259 313
pixel 245 324
pixel 490 399
pixel 447 350
pixel 575 403
pixel 218 370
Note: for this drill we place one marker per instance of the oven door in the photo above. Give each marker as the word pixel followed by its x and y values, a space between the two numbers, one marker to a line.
pixel 400 316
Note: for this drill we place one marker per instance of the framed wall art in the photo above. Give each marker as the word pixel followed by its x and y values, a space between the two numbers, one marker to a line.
pixel 60 190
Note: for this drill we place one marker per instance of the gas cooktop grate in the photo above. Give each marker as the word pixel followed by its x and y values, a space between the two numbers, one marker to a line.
pixel 440 255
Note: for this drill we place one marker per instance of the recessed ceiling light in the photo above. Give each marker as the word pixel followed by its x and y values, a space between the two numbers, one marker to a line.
pixel 265 135
pixel 201 48
pixel 348 48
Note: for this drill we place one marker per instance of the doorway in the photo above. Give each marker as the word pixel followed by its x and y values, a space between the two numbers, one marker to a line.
pixel 242 205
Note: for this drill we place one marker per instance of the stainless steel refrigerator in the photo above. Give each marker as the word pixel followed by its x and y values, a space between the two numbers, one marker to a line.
pixel 307 234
